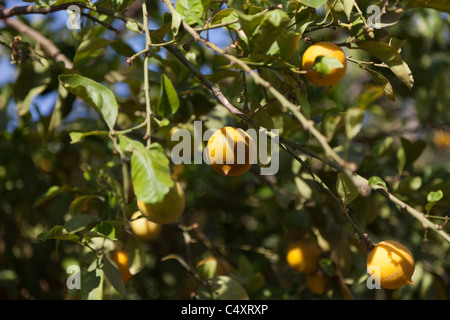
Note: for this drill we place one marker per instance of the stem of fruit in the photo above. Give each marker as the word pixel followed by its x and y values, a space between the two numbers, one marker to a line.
pixel 148 43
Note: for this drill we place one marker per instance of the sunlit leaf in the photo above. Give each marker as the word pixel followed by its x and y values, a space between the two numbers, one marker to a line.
pixel 98 96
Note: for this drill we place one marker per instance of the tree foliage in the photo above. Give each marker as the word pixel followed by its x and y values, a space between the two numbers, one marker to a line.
pixel 85 126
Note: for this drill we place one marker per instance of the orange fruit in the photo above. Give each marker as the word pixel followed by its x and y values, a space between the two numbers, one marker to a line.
pixel 316 282
pixel 303 256
pixel 230 151
pixel 143 228
pixel 169 209
pixel 323 49
pixel 392 262
pixel 120 257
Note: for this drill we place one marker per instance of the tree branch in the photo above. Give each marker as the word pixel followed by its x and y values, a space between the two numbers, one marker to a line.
pixel 32 9
pixel 48 46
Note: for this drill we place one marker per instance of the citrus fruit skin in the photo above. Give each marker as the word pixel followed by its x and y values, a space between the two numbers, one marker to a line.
pixel 394 262
pixel 316 282
pixel 143 228
pixel 120 257
pixel 224 155
pixel 169 209
pixel 303 256
pixel 326 49
pixel 441 139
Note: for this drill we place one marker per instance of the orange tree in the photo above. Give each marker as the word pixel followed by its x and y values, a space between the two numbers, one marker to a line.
pixel 353 93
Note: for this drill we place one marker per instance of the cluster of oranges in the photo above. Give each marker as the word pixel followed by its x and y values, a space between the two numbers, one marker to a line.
pixel 393 261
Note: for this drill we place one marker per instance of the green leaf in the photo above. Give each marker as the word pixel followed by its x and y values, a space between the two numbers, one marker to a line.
pixel 313 3
pixel 345 6
pixel 105 229
pixel 168 101
pixel 133 26
pixel 79 222
pixel 79 204
pixel 46 3
pixel 391 58
pixel 435 196
pixel 226 15
pixel 288 43
pixel 324 65
pixel 190 11
pixel 157 36
pixel 409 152
pixel 346 190
pixel 98 96
pixel 78 136
pixel 88 50
pixel 225 288
pixel 432 198
pixel 327 266
pixel 176 22
pixel 150 172
pixel 52 192
pixel 58 233
pixel 376 182
pixel 353 122
pixel 136 254
pixel 112 273
pixel 92 282
pixel 267 30
pixel 440 5
pixel 208 269
pixel 383 82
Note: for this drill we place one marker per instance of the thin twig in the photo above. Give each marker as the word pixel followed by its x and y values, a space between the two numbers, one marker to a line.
pixel 148 43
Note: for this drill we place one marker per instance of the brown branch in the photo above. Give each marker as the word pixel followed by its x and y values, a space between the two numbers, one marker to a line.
pixel 32 9
pixel 48 46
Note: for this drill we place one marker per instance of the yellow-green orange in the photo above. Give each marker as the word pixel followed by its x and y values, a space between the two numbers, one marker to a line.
pixel 169 209
pixel 323 49
pixel 392 262
pixel 303 256
pixel 230 151
pixel 143 228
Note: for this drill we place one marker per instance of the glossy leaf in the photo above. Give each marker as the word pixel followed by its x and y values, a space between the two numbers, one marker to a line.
pixel 345 188
pixel 314 3
pixel 98 96
pixel 168 101
pixel 190 10
pixel 58 233
pixel 440 5
pixel 89 50
pixel 391 57
pixel 150 172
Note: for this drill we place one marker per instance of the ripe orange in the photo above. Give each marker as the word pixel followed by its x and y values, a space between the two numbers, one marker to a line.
pixel 316 282
pixel 120 257
pixel 143 228
pixel 303 256
pixel 230 151
pixel 392 262
pixel 323 49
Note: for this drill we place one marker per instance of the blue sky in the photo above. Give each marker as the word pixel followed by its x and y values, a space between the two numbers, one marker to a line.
pixel 45 104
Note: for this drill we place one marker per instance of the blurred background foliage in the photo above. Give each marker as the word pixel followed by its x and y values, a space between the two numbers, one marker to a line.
pixel 248 220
